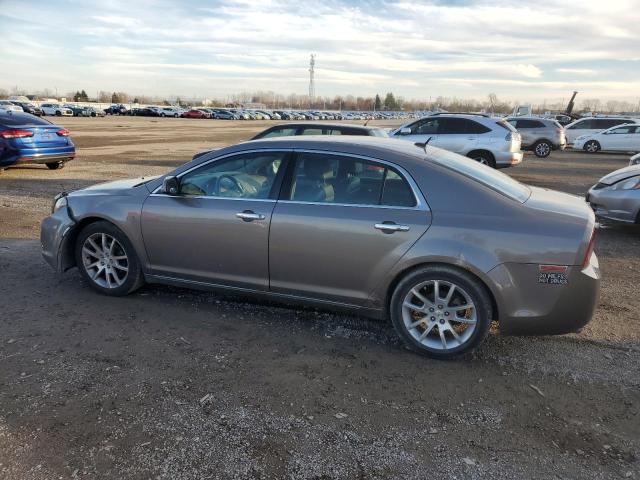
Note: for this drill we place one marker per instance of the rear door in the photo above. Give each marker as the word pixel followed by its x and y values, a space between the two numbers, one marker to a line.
pixel 341 224
pixel 618 138
pixel 456 135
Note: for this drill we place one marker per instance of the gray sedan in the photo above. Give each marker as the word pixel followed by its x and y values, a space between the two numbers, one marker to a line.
pixel 616 196
pixel 433 241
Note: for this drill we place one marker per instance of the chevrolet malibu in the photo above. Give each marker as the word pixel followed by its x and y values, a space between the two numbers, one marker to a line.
pixel 437 243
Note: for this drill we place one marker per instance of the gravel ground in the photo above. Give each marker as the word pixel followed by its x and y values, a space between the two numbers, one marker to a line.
pixel 176 384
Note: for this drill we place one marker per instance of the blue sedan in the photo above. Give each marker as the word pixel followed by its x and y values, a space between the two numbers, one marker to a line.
pixel 25 138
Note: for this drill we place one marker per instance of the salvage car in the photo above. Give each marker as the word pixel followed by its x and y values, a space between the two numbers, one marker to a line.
pixel 616 196
pixel 439 245
pixel 55 109
pixel 623 138
pixel 28 139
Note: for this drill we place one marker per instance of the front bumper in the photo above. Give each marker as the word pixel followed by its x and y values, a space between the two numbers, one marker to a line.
pixel 617 205
pixel 56 233
pixel 526 307
pixel 507 159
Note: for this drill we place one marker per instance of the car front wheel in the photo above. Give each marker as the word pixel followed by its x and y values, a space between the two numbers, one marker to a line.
pixel 107 260
pixel 591 146
pixel 441 312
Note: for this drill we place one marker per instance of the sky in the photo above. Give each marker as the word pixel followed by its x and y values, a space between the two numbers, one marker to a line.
pixel 521 50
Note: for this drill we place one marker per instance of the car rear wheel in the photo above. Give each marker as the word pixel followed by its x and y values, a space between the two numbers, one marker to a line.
pixel 55 165
pixel 107 260
pixel 592 146
pixel 542 149
pixel 58 113
pixel 441 312
pixel 484 158
pixel 175 116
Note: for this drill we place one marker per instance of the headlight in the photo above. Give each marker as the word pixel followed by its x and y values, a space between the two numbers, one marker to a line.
pixel 59 202
pixel 632 183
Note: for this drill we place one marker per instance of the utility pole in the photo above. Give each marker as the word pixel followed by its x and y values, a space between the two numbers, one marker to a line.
pixel 312 81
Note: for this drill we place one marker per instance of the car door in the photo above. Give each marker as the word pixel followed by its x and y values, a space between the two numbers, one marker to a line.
pixel 341 223
pixel 455 135
pixel 618 138
pixel 216 230
pixel 422 131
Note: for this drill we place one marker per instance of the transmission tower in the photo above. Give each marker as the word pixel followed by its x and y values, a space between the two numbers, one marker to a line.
pixel 312 82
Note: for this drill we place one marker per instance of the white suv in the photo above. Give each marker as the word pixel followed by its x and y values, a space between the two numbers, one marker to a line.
pixel 55 109
pixel 488 140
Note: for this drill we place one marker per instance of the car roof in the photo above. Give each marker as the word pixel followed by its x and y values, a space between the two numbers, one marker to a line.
pixel 529 117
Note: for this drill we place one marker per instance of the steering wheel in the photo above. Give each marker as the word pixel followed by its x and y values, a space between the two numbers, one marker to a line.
pixel 230 183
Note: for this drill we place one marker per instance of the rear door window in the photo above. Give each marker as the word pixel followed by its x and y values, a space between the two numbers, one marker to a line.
pixel 322 178
pixel 280 132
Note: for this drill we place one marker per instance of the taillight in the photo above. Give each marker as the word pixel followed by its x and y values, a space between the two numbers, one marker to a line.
pixel 63 132
pixel 16 133
pixel 559 131
pixel 590 247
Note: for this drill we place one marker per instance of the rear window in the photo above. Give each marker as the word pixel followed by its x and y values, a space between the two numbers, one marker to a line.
pixel 17 119
pixel 488 176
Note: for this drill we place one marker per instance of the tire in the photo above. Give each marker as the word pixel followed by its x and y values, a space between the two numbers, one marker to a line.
pixel 483 157
pixel 107 274
pixel 58 113
pixel 542 148
pixel 592 146
pixel 56 165
pixel 411 325
pixel 162 115
pixel 175 116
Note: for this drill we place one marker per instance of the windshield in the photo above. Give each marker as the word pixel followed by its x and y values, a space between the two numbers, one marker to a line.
pixel 488 176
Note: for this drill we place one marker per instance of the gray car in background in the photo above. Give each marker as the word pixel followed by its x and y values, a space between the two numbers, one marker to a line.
pixel 540 135
pixel 436 243
pixel 616 196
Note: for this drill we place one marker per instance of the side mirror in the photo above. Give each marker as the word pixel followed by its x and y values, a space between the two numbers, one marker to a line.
pixel 405 131
pixel 171 185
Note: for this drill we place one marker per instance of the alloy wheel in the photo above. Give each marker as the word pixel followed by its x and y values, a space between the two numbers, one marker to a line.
pixel 543 149
pixel 105 261
pixel 439 314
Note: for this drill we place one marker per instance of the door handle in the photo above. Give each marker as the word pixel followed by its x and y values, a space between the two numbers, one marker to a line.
pixel 391 227
pixel 248 216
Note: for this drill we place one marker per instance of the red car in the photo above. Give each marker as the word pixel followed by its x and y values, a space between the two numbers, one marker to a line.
pixel 196 114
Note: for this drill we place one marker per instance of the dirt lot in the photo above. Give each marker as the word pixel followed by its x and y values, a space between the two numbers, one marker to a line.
pixel 175 384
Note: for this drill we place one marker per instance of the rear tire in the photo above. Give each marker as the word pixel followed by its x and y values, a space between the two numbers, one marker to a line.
pixel 55 165
pixel 107 260
pixel 58 113
pixel 439 309
pixel 592 146
pixel 483 157
pixel 542 149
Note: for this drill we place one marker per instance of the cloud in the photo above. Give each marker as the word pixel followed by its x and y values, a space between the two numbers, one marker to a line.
pixel 415 49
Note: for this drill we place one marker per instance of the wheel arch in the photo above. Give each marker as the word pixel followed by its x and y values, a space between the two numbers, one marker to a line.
pixel 412 268
pixel 483 151
pixel 68 259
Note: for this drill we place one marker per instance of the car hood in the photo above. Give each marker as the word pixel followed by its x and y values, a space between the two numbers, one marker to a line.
pixel 117 187
pixel 618 175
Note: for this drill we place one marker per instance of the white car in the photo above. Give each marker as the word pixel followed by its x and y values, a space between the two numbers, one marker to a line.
pixel 170 111
pixel 491 141
pixel 10 106
pixel 623 138
pixel 55 109
pixel 589 125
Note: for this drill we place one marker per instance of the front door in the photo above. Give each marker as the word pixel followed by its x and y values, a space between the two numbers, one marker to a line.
pixel 342 223
pixel 217 229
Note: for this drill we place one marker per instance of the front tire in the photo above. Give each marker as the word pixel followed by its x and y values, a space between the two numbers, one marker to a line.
pixel 592 146
pixel 58 113
pixel 55 165
pixel 542 149
pixel 107 260
pixel 441 312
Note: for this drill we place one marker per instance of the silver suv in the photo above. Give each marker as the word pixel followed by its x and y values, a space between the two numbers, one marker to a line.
pixel 541 135
pixel 490 141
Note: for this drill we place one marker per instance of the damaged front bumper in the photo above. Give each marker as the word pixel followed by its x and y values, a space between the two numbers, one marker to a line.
pixel 55 233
